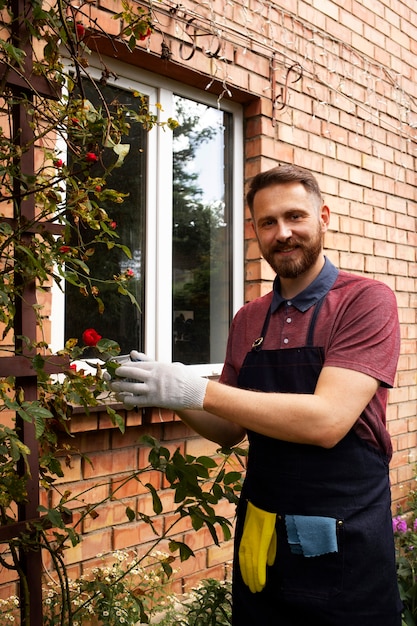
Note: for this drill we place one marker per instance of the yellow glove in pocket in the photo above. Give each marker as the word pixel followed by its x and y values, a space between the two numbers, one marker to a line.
pixel 258 546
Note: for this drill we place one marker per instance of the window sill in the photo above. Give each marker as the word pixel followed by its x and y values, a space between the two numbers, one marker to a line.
pixel 97 419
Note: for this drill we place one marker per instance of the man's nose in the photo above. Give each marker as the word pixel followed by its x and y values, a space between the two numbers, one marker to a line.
pixel 283 231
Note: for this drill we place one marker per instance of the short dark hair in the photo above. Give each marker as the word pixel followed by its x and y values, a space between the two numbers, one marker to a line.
pixel 279 175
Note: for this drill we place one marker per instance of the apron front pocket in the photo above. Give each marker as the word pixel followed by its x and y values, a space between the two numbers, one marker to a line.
pixel 312 566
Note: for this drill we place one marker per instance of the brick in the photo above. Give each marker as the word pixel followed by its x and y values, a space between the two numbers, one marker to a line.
pixel 130 486
pixel 93 441
pixel 397 268
pixel 136 534
pixel 105 464
pixel 83 493
pixel 72 470
pixel 200 539
pixel 177 431
pixel 220 554
pixel 81 423
pixel 201 447
pixel 91 545
pixel 108 515
pixel 218 572
pixel 376 265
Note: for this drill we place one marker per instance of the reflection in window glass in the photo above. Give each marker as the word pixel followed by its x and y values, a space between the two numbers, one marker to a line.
pixel 201 232
pixel 121 320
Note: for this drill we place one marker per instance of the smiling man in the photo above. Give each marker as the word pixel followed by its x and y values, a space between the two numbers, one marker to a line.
pixel 306 376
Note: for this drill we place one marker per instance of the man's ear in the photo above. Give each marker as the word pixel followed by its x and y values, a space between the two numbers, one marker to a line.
pixel 324 217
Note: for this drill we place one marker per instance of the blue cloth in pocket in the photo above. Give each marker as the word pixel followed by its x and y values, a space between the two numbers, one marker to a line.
pixel 311 535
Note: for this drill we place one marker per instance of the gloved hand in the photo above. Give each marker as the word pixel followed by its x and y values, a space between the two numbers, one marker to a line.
pixel 165 385
pixel 258 546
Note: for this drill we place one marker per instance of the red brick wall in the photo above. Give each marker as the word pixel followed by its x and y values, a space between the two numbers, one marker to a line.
pixel 352 120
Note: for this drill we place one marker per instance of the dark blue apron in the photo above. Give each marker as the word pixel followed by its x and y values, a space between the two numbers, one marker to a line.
pixel 356 586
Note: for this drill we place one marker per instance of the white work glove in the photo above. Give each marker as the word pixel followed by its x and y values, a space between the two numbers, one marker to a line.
pixel 145 383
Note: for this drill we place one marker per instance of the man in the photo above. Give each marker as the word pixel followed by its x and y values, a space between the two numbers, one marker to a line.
pixel 306 376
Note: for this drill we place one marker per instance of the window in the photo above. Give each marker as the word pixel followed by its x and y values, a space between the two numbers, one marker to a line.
pixel 202 218
pixel 183 222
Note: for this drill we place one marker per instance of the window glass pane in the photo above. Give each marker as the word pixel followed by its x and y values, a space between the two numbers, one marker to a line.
pixel 201 232
pixel 121 320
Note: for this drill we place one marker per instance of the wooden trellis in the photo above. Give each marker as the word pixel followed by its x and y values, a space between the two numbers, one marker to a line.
pixel 24 82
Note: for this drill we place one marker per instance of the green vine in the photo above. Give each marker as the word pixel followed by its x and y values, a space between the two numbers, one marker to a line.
pixel 71 220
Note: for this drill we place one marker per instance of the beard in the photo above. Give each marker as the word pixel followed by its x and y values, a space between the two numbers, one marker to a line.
pixel 292 268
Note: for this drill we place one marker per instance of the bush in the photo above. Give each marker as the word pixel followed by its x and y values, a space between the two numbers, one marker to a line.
pixel 405 533
pixel 125 591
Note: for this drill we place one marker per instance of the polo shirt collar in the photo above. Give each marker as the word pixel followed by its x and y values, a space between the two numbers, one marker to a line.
pixel 311 294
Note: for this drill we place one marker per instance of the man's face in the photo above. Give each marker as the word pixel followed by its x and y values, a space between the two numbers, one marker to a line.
pixel 289 224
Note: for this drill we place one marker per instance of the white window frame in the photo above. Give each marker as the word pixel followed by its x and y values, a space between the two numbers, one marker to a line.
pixel 158 283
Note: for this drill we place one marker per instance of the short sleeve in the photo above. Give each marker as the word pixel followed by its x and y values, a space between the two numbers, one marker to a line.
pixel 365 334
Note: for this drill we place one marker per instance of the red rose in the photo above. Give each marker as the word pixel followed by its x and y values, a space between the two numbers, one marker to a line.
pixel 146 34
pixel 91 337
pixel 64 249
pixel 113 224
pixel 98 188
pixel 91 157
pixel 58 162
pixel 80 30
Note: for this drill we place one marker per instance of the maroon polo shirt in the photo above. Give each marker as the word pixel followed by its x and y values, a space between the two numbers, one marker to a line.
pixel 357 327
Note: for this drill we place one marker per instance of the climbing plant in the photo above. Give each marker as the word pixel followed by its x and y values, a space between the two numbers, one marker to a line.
pixel 44 66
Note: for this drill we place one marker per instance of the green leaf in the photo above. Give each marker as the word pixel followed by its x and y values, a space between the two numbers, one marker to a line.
pixel 130 513
pixel 227 534
pixel 217 491
pixel 220 475
pixel 109 346
pixel 117 419
pixel 16 54
pixel 166 567
pixel 196 521
pixel 149 441
pixel 55 518
pixel 39 427
pixel 156 501
pixel 185 551
pixel 54 467
pixel 73 536
pixel 207 461
pixel 126 250
pixel 232 477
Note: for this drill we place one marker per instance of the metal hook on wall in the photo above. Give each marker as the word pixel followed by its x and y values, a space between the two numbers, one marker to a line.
pixel 193 37
pixel 280 101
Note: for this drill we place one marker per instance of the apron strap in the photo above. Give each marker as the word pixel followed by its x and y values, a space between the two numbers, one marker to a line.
pixel 310 335
pixel 257 344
